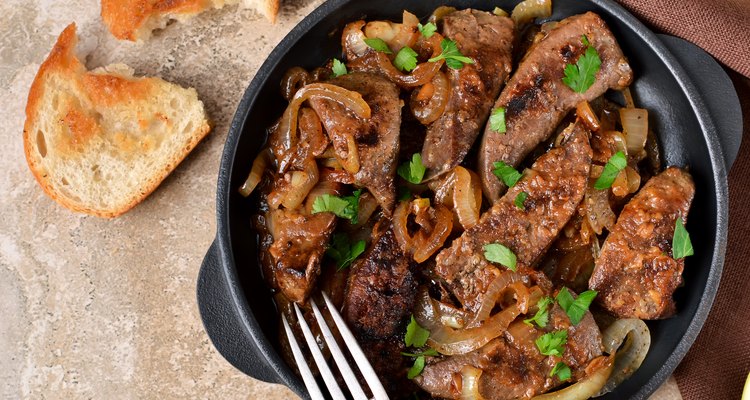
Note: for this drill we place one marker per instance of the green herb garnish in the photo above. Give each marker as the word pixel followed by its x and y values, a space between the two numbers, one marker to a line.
pixel 452 56
pixel 497 253
pixel 416 369
pixel 343 252
pixel 497 120
pixel 553 343
pixel 427 30
pixel 562 371
pixel 541 318
pixel 339 68
pixel 343 207
pixel 582 75
pixel 681 244
pixel 575 308
pixel 616 163
pixel 406 59
pixel 378 45
pixel 413 171
pixel 520 200
pixel 506 173
pixel 416 336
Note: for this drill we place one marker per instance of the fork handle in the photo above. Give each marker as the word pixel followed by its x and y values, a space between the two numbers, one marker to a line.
pixel 223 323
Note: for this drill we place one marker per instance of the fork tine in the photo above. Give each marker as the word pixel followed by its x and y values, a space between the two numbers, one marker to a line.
pixel 307 375
pixel 325 371
pixel 364 366
pixel 338 356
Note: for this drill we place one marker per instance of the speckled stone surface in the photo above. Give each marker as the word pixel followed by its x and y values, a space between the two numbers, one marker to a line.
pixel 93 308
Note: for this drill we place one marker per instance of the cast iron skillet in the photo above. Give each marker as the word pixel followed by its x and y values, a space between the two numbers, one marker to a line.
pixel 235 304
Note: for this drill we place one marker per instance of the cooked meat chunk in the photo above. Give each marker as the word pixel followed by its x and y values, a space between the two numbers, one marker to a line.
pixel 555 185
pixel 536 99
pixel 512 366
pixel 380 295
pixel 488 39
pixel 376 138
pixel 292 249
pixel 635 274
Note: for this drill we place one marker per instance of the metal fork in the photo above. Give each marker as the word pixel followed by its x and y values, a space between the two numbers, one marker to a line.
pixel 346 371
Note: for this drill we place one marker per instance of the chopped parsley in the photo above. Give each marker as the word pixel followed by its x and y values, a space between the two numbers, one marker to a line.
pixel 497 253
pixel 553 343
pixel 417 368
pixel 413 171
pixel 343 207
pixel 681 244
pixel 582 75
pixel 452 56
pixel 520 200
pixel 427 30
pixel 343 252
pixel 378 45
pixel 562 371
pixel 575 308
pixel 497 120
pixel 339 68
pixel 406 59
pixel 416 337
pixel 616 163
pixel 541 318
pixel 506 173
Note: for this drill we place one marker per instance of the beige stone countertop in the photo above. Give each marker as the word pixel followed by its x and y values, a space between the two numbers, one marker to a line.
pixel 105 309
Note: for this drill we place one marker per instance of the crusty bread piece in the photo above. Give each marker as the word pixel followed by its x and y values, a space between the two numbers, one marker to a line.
pixel 100 141
pixel 135 19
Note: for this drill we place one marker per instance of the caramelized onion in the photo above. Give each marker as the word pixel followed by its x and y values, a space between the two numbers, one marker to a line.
pixel 367 206
pixel 587 115
pixel 288 125
pixel 353 40
pixel 435 224
pixel 441 12
pixel 325 185
pixel 467 197
pixel 294 79
pixel 597 373
pixel 629 340
pixel 598 211
pixel 260 164
pixel 397 36
pixel 451 341
pixel 294 187
pixel 635 127
pixel 470 383
pixel 350 161
pixel 428 103
pixel 529 10
pixel 492 295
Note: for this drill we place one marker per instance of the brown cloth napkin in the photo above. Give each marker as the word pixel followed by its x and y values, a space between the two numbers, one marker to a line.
pixel 719 361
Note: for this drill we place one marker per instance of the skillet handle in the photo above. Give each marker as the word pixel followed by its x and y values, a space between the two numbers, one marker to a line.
pixel 222 323
pixel 717 91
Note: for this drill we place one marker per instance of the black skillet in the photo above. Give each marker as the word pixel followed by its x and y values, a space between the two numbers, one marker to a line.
pixel 693 108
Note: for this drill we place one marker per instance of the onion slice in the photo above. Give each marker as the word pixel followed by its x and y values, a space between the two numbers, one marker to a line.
pixel 635 127
pixel 260 164
pixel 470 383
pixel 529 10
pixel 467 197
pixel 588 116
pixel 597 373
pixel 633 339
pixel 429 102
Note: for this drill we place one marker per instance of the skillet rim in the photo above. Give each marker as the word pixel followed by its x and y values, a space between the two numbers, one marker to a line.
pixel 615 11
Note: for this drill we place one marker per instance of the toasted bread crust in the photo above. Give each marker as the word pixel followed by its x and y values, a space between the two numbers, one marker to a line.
pixel 103 90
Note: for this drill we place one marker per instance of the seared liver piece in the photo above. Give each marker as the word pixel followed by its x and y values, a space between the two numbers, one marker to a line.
pixel 379 299
pixel 555 185
pixel 376 137
pixel 635 274
pixel 488 39
pixel 512 366
pixel 536 99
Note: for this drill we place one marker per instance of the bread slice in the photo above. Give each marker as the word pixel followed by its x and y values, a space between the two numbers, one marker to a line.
pixel 100 141
pixel 135 19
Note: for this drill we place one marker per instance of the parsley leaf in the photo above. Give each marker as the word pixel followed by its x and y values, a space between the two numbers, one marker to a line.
pixel 343 251
pixel 497 120
pixel 413 171
pixel 581 76
pixel 575 308
pixel 541 318
pixel 427 30
pixel 562 371
pixel 497 253
pixel 452 56
pixel 553 343
pixel 346 207
pixel 339 68
pixel 379 45
pixel 406 59
pixel 616 163
pixel 428 352
pixel 520 200
pixel 506 173
pixel 416 336
pixel 416 369
pixel 681 244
